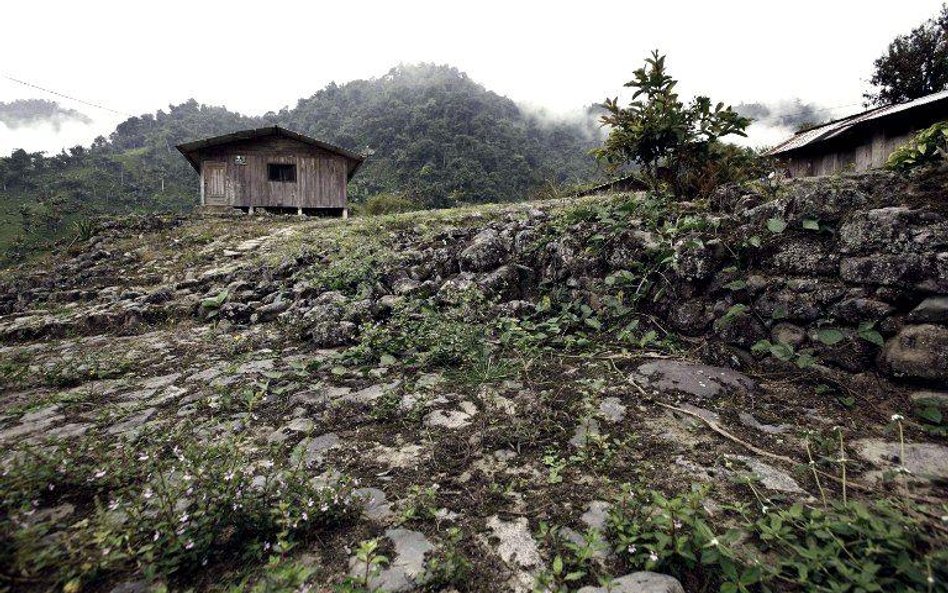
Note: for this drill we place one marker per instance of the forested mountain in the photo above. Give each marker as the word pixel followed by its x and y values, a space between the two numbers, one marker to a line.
pixel 437 135
pixel 431 132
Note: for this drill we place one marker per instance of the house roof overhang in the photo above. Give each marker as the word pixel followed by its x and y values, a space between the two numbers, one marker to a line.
pixel 192 150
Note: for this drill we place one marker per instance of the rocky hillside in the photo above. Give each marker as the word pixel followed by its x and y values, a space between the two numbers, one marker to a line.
pixel 614 393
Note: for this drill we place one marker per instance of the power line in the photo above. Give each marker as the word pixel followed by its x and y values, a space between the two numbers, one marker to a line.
pixel 65 96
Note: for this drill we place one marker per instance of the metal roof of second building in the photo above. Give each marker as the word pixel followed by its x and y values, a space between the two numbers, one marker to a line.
pixel 838 127
pixel 190 149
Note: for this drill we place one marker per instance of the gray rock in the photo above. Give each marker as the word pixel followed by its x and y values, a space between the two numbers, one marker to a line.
pixel 453 419
pixel 611 409
pixel 313 449
pixel 638 582
pixel 931 310
pixel 159 382
pixel 516 545
pixel 695 379
pixel 935 399
pixel 918 351
pixel 856 310
pixel 484 253
pixel 904 270
pixel 596 515
pixel 255 366
pixel 771 477
pixel 271 311
pixel 922 460
pixel 132 587
pixel 297 426
pixel 130 425
pixel 787 333
pixel 749 420
pixel 368 394
pixel 589 427
pixel 67 431
pixel 406 569
pixel 374 503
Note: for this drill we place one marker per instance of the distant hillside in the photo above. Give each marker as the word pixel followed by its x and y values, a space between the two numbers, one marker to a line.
pixel 432 133
pixel 27 112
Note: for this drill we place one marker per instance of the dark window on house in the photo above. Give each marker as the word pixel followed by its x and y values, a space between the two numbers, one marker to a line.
pixel 281 172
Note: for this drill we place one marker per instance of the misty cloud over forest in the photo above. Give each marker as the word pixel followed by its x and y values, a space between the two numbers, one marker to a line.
pixel 32 112
pixel 790 114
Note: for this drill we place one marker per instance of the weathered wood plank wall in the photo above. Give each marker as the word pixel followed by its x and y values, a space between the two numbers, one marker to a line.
pixel 321 176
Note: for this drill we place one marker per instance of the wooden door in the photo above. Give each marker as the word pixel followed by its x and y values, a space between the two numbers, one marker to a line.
pixel 214 185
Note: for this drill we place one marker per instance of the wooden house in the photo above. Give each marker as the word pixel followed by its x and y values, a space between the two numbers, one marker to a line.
pixel 859 142
pixel 272 169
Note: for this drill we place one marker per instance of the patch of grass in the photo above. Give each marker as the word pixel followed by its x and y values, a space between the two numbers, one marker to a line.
pixel 167 510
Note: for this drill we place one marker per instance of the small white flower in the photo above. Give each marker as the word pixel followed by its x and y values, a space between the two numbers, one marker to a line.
pixel 99 474
pixel 632 549
pixel 930 580
pixel 653 557
pixel 305 516
pixel 148 493
pixel 185 517
pixel 897 417
pixel 714 542
pixel 764 509
pixel 677 524
pixel 156 536
pixel 189 545
pixel 266 546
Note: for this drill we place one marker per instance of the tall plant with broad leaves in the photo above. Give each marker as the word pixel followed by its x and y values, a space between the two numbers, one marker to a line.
pixel 658 133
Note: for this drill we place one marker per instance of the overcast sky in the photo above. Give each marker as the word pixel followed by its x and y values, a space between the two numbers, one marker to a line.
pixel 254 57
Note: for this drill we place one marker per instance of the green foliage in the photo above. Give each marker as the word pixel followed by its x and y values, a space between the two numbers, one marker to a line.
pixel 867 332
pixel 369 562
pixel 448 566
pixel 670 141
pixel 914 65
pixel 388 204
pixel 145 518
pixel 785 352
pixel 776 225
pixel 857 547
pixel 420 504
pixel 928 147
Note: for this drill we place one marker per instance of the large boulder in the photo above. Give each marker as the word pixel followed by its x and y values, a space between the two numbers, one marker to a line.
pixel 919 352
pixel 484 253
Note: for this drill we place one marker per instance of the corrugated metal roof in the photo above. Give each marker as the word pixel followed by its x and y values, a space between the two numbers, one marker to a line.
pixel 189 149
pixel 840 126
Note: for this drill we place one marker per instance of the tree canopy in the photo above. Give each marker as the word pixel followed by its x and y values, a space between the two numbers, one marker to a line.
pixel 914 65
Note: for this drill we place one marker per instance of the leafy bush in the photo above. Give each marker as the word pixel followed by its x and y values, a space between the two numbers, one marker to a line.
pixel 673 143
pixel 928 147
pixel 388 204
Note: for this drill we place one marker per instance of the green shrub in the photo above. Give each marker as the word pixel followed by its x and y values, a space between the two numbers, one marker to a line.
pixel 672 143
pixel 928 147
pixel 389 204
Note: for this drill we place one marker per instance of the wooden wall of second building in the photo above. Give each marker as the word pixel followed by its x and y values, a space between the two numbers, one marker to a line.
pixel 321 176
